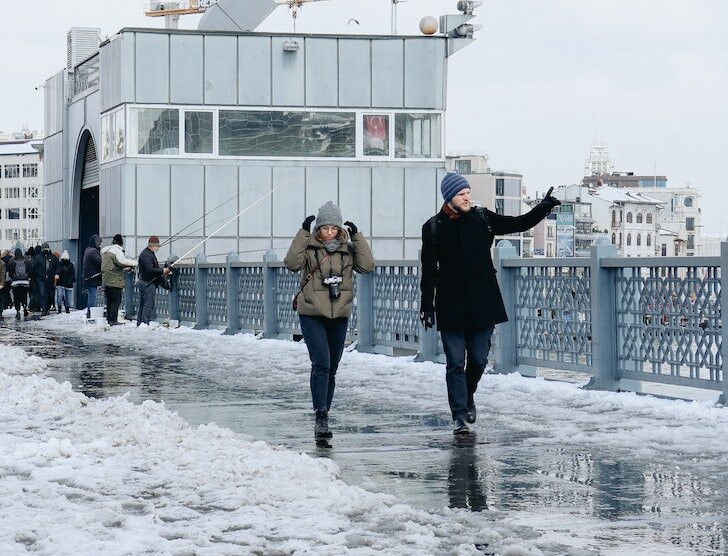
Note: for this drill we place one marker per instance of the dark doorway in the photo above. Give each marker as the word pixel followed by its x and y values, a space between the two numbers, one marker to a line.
pixel 88 226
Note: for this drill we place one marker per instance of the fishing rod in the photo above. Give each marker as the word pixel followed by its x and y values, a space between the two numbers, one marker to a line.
pixel 228 252
pixel 238 215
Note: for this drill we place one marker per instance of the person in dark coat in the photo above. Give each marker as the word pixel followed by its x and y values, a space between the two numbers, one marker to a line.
pixel 32 293
pixel 5 299
pixel 459 289
pixel 44 271
pixel 19 274
pixel 65 278
pixel 92 271
pixel 150 276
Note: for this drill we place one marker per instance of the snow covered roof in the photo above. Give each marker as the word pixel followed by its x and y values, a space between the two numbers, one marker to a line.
pixel 19 148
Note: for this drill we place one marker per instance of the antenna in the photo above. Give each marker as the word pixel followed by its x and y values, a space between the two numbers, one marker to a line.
pixel 294 6
pixel 394 15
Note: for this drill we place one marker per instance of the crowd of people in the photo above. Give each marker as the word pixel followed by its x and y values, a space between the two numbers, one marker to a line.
pixel 36 280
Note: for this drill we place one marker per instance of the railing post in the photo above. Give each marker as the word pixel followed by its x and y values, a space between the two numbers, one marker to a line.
pixel 201 320
pixel 365 311
pixel 129 295
pixel 174 294
pixel 232 278
pixel 427 350
pixel 723 399
pixel 505 344
pixel 270 294
pixel 605 375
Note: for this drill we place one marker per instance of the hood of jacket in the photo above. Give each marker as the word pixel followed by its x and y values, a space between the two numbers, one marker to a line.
pixel 95 241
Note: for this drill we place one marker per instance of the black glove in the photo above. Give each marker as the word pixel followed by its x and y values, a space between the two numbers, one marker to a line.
pixel 549 201
pixel 307 223
pixel 427 318
pixel 351 228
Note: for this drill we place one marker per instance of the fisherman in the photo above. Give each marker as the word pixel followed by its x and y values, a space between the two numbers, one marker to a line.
pixel 114 263
pixel 150 276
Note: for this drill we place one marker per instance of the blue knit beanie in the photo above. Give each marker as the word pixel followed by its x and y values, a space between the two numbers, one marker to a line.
pixel 452 184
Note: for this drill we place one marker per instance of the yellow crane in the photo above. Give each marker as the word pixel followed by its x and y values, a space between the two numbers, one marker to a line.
pixel 162 8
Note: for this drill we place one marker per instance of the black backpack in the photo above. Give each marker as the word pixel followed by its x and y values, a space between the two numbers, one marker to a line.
pixel 21 271
pixel 478 210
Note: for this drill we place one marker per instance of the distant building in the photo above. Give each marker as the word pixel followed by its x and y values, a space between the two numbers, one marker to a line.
pixel 21 193
pixel 501 192
pixel 680 221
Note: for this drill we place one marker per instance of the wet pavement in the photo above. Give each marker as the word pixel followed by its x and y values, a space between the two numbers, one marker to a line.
pixel 601 500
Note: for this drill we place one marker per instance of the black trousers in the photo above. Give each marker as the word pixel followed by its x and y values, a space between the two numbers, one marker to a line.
pixel 113 300
pixel 147 298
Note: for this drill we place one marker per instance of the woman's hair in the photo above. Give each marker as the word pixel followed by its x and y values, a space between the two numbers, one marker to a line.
pixel 342 235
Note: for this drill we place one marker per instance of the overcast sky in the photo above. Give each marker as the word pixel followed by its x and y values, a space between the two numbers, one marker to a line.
pixel 544 80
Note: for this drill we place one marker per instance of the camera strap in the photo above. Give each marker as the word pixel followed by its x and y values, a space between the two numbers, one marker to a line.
pixel 313 271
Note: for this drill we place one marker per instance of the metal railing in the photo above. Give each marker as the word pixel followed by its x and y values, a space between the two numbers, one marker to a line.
pixel 617 319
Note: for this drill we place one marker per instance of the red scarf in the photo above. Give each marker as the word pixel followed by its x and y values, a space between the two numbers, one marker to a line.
pixel 451 214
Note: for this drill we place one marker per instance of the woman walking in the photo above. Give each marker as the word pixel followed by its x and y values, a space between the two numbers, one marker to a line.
pixel 19 273
pixel 327 258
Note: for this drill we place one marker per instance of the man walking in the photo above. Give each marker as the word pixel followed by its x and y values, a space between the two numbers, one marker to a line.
pixel 44 272
pixel 150 275
pixel 92 271
pixel 113 264
pixel 459 286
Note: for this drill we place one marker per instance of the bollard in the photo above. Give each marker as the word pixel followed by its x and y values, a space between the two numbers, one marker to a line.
pixel 604 326
pixel 201 319
pixel 270 294
pixel 129 287
pixel 232 278
pixel 365 312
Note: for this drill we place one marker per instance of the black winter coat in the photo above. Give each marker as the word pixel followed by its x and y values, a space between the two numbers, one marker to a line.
pixel 149 270
pixel 44 267
pixel 92 263
pixel 66 273
pixel 458 277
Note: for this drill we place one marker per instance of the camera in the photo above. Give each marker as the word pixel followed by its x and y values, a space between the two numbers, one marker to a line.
pixel 334 284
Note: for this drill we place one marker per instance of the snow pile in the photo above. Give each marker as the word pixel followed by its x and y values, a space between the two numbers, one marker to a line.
pixel 82 476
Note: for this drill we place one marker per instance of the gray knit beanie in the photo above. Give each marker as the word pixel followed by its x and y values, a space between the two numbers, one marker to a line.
pixel 329 215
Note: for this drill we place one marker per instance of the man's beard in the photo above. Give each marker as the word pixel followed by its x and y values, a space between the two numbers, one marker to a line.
pixel 461 209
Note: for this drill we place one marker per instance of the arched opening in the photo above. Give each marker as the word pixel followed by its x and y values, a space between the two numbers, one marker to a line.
pixel 86 199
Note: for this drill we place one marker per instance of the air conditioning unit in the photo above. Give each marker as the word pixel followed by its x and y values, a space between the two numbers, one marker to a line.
pixel 81 42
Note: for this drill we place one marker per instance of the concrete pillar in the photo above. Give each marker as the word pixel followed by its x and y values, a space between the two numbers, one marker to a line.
pixel 270 295
pixel 232 277
pixel 201 320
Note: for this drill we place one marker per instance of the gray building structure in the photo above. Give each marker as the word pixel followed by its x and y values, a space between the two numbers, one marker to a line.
pixel 159 127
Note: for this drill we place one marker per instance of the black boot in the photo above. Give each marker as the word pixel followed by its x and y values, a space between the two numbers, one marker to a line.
pixel 321 429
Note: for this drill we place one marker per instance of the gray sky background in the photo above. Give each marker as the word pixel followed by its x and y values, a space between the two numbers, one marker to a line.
pixel 544 80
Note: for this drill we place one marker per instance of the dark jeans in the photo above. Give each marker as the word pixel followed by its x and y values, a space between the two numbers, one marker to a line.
pixel 45 293
pixel 461 385
pixel 91 299
pixel 325 342
pixel 147 298
pixel 20 297
pixel 113 300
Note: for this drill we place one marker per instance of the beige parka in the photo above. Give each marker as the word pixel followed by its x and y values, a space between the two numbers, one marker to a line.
pixel 314 300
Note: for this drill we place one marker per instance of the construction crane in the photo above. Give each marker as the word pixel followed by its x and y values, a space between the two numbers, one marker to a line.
pixel 294 5
pixel 171 10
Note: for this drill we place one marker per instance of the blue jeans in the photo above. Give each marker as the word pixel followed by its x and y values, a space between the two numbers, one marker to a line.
pixel 45 295
pixel 64 295
pixel 91 300
pixel 461 385
pixel 325 342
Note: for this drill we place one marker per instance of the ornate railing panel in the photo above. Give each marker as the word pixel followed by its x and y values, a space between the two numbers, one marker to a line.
pixel 553 315
pixel 287 284
pixel 250 298
pixel 395 306
pixel 161 304
pixel 186 281
pixel 216 295
pixel 669 324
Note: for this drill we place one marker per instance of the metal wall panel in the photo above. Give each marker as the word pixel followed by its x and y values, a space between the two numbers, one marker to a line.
pixel 355 197
pixel 387 249
pixel 421 199
pixel 53 158
pixel 388 203
pixel 110 201
pixel 288 200
pixel 221 70
pixel 355 88
pixel 54 103
pixel 221 200
pixel 127 67
pixel 412 249
pixel 93 116
pixel 152 200
pixel 288 73
pixel 254 71
pixel 255 182
pixel 252 249
pixel 388 73
pixel 186 78
pixel 187 199
pixel 128 200
pixel 322 184
pixel 152 68
pixel 109 82
pixel 321 74
pixel 53 219
pixel 424 73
